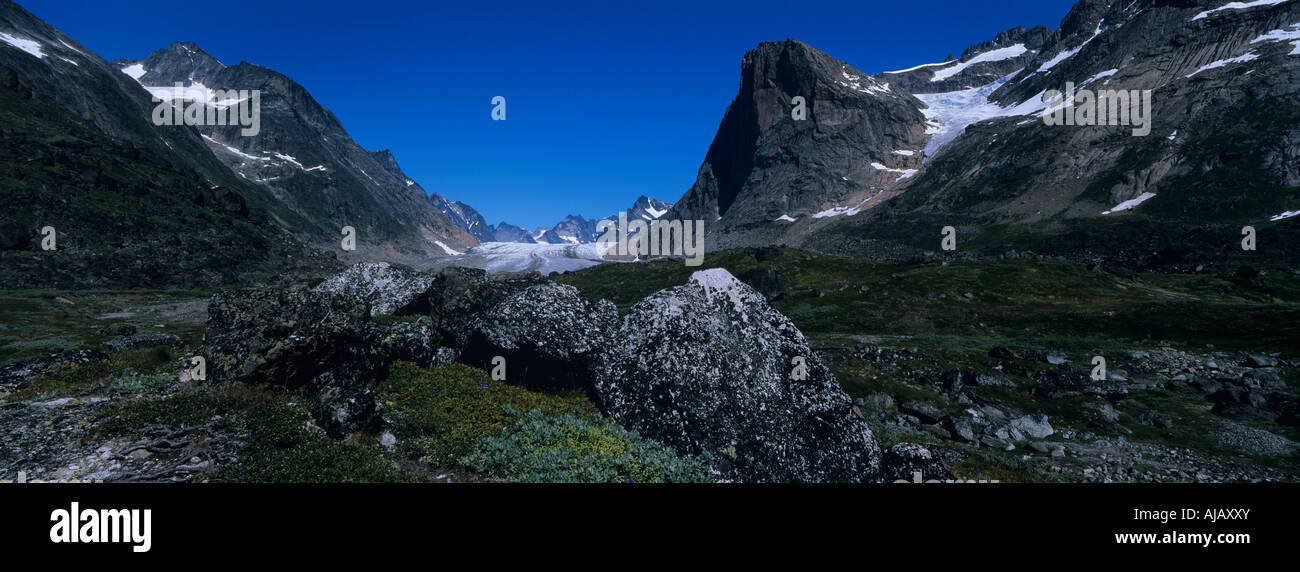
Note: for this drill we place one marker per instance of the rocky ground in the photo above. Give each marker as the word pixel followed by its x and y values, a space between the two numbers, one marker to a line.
pixel 968 370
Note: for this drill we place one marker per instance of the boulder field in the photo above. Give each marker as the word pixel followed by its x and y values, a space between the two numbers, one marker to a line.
pixel 707 367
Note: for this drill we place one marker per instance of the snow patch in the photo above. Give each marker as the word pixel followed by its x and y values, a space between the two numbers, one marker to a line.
pixel 1290 33
pixel 905 173
pixel 784 217
pixel 837 211
pixel 288 158
pixel 1067 54
pixel 447 249
pixel 236 151
pixel 990 56
pixel 948 114
pixel 30 46
pixel 1212 65
pixel 1130 204
pixel 654 212
pixel 136 71
pixel 855 83
pixel 1101 75
pixel 1287 214
pixel 1237 6
pixel 914 68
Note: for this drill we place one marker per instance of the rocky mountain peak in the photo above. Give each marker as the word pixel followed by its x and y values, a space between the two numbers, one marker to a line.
pixel 177 62
pixel 846 124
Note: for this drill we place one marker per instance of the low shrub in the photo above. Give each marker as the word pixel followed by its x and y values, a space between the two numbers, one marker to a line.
pixel 571 449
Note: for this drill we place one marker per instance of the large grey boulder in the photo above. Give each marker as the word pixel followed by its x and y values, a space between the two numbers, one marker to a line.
pixel 387 288
pixel 547 334
pixel 707 368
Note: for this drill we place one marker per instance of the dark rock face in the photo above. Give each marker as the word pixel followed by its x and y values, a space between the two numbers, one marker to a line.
pixel 573 229
pixel 465 217
pixel 144 340
pixel 505 232
pixel 130 205
pixel 547 333
pixel 387 288
pixel 764 163
pixel 707 367
pixel 765 281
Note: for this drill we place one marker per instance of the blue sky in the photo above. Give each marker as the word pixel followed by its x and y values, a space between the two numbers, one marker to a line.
pixel 606 101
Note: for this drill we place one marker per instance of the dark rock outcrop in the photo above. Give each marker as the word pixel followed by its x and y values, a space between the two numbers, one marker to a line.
pixel 547 334
pixel 765 163
pixel 763 278
pixel 459 295
pixel 317 341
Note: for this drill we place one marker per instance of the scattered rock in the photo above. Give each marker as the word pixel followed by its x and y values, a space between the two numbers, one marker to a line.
pixel 18 374
pixel 113 330
pixel 1259 361
pixel 1155 419
pixel 926 411
pixel 144 340
pixel 1034 425
pixel 1256 441
pixel 904 461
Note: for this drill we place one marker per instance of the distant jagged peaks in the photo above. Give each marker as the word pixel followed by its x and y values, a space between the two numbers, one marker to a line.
pixel 575 229
pixel 306 157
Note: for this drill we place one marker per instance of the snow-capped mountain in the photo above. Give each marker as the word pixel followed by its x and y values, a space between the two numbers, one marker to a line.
pixel 881 162
pixel 304 156
pixel 133 205
pixel 576 229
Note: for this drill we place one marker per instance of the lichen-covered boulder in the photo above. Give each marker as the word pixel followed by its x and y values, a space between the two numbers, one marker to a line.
pixel 458 296
pixel 320 342
pixel 710 367
pixel 387 288
pixel 414 341
pixel 547 334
